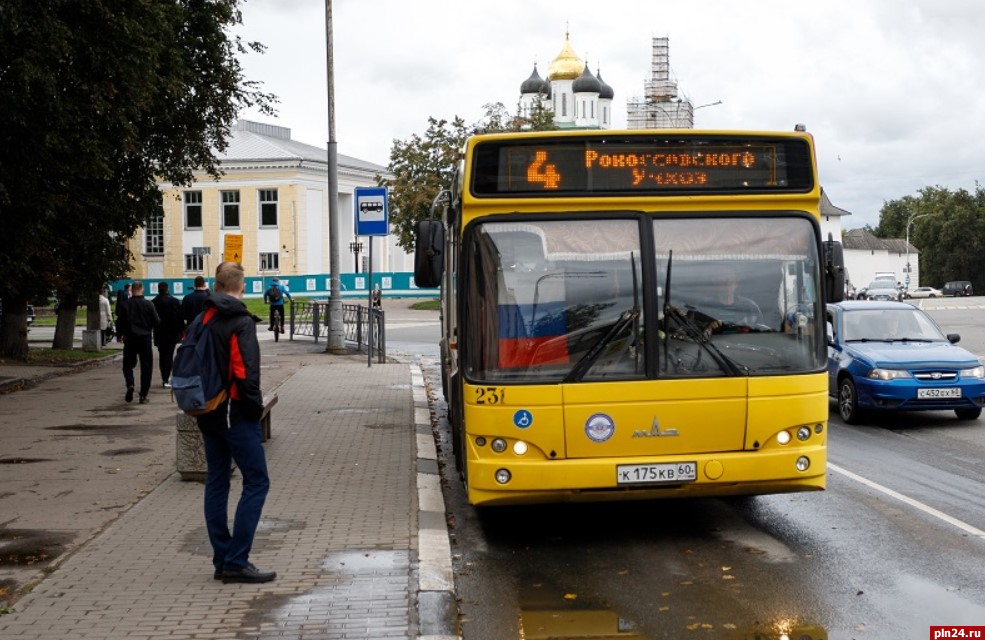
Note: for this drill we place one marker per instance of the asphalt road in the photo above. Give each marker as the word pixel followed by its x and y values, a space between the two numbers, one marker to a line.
pixel 896 544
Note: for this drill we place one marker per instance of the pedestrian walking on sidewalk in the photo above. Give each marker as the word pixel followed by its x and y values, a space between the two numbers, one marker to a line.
pixel 122 298
pixel 105 318
pixel 193 303
pixel 139 319
pixel 232 432
pixel 168 333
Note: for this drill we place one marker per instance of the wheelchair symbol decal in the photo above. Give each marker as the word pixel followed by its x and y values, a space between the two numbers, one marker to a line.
pixel 523 418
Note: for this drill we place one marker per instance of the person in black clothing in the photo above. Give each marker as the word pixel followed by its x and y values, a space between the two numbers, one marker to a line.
pixel 194 302
pixel 122 297
pixel 168 334
pixel 232 432
pixel 139 319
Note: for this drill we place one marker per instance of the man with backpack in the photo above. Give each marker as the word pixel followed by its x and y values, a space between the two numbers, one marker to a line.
pixel 231 431
pixel 274 296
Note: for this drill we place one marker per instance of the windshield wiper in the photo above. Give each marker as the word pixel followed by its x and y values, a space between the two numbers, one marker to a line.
pixel 697 335
pixel 625 319
pixel 582 366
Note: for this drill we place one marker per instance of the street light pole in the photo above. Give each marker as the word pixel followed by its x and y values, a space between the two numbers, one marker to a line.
pixel 910 221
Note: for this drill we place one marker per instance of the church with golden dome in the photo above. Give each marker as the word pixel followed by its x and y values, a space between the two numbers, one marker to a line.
pixel 578 98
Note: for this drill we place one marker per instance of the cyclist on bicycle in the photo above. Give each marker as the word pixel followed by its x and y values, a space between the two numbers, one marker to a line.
pixel 274 296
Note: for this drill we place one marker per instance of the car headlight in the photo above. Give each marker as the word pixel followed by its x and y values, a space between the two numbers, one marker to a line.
pixel 889 374
pixel 974 372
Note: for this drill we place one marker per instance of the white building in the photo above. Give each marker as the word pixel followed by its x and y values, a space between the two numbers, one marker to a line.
pixel 578 99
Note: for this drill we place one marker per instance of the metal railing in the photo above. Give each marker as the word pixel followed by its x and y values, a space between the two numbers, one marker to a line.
pixel 311 319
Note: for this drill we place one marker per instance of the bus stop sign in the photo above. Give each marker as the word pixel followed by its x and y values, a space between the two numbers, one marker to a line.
pixel 372 213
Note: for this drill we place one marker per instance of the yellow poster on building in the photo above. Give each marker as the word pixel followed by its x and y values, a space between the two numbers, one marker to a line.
pixel 233 251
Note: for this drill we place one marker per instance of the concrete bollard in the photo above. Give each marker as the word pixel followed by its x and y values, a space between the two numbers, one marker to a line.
pixel 92 340
pixel 190 450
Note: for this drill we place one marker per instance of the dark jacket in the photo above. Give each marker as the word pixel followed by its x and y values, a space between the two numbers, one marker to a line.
pixel 172 326
pixel 139 317
pixel 192 305
pixel 234 335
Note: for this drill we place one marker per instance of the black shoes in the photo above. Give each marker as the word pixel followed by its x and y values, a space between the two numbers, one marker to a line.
pixel 144 400
pixel 129 396
pixel 249 573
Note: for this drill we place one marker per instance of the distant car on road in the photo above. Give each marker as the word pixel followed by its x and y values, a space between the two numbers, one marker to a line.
pixel 891 356
pixel 957 288
pixel 881 290
pixel 924 292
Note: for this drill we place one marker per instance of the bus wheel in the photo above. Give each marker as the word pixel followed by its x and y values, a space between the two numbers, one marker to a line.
pixel 848 401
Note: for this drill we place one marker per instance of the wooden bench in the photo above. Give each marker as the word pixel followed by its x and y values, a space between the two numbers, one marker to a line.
pixel 269 401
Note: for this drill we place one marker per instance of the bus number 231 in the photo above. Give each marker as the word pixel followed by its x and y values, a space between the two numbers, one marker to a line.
pixel 489 395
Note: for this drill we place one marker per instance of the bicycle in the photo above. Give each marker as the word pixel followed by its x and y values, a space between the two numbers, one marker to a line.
pixel 278 323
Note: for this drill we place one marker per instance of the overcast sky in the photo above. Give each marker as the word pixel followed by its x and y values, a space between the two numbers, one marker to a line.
pixel 892 91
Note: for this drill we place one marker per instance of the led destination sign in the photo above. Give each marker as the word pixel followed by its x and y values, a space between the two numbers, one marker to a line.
pixel 641 165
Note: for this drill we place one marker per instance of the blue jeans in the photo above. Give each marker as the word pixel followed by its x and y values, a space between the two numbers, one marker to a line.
pixel 242 443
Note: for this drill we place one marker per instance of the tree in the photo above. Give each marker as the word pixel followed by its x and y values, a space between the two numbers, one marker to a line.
pixel 100 100
pixel 422 166
pixel 950 232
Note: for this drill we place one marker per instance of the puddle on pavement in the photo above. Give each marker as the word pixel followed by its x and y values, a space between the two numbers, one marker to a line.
pixel 359 588
pixel 386 426
pixel 547 613
pixel 27 547
pixel 126 452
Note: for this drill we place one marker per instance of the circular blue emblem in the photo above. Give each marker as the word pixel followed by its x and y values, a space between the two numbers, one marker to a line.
pixel 599 427
pixel 523 419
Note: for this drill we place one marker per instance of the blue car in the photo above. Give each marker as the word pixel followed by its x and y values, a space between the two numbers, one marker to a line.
pixel 891 356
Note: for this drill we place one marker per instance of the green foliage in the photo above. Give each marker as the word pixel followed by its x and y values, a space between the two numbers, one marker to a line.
pixel 948 228
pixel 99 100
pixel 424 165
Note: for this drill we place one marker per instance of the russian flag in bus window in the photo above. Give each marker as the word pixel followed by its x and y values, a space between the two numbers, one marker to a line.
pixel 532 334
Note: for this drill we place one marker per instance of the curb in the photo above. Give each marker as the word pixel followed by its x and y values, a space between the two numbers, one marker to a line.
pixel 437 610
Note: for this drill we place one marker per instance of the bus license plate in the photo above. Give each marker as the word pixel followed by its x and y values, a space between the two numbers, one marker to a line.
pixel 950 392
pixel 673 472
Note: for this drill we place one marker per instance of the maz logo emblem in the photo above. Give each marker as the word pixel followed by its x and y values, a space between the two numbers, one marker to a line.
pixel 655 432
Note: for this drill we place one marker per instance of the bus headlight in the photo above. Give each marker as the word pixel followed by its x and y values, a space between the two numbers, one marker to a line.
pixel 803 433
pixel 498 445
pixel 519 447
pixel 503 476
pixel 783 437
pixel 803 463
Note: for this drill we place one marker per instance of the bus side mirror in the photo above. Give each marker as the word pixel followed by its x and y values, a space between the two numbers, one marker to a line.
pixel 428 253
pixel 834 271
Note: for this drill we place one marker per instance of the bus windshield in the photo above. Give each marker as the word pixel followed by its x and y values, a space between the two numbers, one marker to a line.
pixel 566 300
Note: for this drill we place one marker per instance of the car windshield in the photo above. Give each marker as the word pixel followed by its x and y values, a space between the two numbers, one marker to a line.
pixel 882 284
pixel 889 324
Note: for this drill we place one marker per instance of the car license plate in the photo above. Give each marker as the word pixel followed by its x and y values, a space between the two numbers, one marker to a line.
pixel 949 392
pixel 673 472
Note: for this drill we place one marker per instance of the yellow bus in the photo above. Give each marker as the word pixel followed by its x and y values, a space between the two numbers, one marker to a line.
pixel 633 314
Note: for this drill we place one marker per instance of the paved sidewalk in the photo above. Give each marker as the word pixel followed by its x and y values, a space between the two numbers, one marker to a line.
pixel 354 522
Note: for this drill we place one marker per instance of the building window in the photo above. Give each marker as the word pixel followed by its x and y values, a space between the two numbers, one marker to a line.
pixel 270 261
pixel 230 209
pixel 154 235
pixel 268 207
pixel 564 104
pixel 193 209
pixel 194 263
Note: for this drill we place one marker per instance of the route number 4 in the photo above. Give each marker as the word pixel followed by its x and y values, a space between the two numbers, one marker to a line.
pixel 538 171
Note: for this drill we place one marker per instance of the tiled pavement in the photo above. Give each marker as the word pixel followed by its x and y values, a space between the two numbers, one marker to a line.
pixel 353 477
